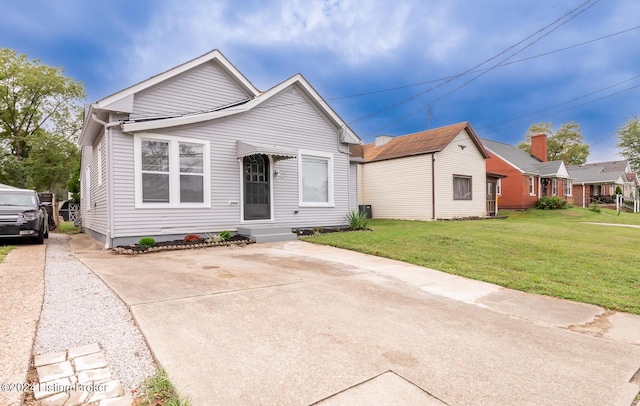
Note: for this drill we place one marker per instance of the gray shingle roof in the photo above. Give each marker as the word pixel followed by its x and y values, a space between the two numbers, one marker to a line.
pixel 594 174
pixel 609 166
pixel 521 159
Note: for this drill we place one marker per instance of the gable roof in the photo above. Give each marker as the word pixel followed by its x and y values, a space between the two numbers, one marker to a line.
pixel 594 175
pixel 423 142
pixel 609 166
pixel 123 101
pixel 524 162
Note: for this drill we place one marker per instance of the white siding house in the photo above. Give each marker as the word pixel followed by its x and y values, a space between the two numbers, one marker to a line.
pixel 198 149
pixel 430 175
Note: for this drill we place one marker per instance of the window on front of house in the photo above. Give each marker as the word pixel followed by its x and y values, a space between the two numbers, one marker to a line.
pixel 568 187
pixel 461 187
pixel 532 186
pixel 499 187
pixel 554 187
pixel 171 172
pixel 315 179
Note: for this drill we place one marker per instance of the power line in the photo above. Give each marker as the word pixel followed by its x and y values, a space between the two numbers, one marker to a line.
pixel 494 66
pixel 485 69
pixel 471 69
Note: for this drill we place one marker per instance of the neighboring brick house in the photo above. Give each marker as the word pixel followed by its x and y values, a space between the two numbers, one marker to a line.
pixel 527 177
pixel 597 182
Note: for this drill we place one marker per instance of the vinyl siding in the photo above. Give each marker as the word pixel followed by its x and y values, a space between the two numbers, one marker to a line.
pixel 397 188
pixel 287 120
pixel 205 87
pixel 454 160
pixel 353 187
pixel 94 219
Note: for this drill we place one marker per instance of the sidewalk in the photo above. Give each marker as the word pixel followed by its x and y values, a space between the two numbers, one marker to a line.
pixel 22 281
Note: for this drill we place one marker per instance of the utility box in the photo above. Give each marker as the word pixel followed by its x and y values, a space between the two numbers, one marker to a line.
pixel 366 209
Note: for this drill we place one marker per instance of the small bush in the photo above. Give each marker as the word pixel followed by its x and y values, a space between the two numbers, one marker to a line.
pixel 618 190
pixel 192 238
pixel 357 220
pixel 551 203
pixel 594 208
pixel 225 235
pixel 147 242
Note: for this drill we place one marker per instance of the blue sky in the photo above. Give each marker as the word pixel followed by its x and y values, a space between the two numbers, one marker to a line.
pixel 390 53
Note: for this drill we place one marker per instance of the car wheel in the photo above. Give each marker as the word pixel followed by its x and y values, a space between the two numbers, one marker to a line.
pixel 39 239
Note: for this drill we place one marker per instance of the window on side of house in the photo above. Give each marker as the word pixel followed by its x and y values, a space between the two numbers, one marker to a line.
pixel 554 187
pixel 499 187
pixel 532 186
pixel 315 180
pixel 100 163
pixel 171 172
pixel 87 186
pixel 462 187
pixel 568 187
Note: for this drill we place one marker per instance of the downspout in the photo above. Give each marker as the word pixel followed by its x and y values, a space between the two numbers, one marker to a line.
pixel 108 150
pixel 433 185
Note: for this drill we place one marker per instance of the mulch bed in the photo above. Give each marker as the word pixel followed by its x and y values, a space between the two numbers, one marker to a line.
pixel 308 232
pixel 135 249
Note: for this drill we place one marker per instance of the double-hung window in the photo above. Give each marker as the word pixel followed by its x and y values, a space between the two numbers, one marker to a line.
pixel 171 171
pixel 499 187
pixel 568 187
pixel 554 187
pixel 315 179
pixel 461 187
pixel 532 186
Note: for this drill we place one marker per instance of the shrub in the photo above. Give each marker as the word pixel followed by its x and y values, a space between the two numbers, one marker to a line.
pixel 618 190
pixel 594 208
pixel 147 242
pixel 225 235
pixel 357 220
pixel 192 238
pixel 551 203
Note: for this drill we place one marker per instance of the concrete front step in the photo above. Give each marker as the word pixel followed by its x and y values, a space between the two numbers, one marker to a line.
pixel 268 233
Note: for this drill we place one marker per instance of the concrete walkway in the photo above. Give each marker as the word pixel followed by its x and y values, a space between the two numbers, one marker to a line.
pixel 613 224
pixel 296 324
pixel 22 286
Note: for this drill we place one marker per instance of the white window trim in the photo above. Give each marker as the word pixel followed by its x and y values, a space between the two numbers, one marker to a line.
pixel 87 186
pixel 532 185
pixel 322 155
pixel 174 171
pixel 100 163
pixel 554 187
pixel 499 187
pixel 568 187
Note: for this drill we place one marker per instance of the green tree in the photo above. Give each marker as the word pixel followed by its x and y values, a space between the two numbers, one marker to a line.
pixel 37 102
pixel 566 144
pixel 629 142
pixel 51 161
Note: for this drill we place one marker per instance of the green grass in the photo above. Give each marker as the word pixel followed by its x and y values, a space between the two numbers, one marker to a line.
pixel 67 227
pixel 546 252
pixel 159 388
pixel 4 250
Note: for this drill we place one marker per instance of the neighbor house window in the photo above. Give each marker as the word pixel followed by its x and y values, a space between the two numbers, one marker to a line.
pixel 568 187
pixel 461 187
pixel 554 187
pixel 532 186
pixel 315 179
pixel 171 171
pixel 499 187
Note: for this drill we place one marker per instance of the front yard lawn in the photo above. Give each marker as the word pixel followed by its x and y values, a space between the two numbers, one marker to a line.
pixel 546 252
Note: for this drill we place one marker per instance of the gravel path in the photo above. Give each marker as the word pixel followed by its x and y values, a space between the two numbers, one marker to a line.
pixel 80 309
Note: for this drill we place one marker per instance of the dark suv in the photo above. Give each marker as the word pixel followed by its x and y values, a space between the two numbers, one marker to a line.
pixel 22 216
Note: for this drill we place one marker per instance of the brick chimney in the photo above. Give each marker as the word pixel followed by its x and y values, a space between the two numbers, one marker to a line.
pixel 539 147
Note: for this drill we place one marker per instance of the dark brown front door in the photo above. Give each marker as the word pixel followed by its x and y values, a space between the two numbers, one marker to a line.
pixel 257 187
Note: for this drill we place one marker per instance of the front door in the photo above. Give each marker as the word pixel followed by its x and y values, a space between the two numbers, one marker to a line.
pixel 257 187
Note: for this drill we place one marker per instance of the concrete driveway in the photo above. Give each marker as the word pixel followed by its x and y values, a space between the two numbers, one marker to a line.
pixel 294 323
